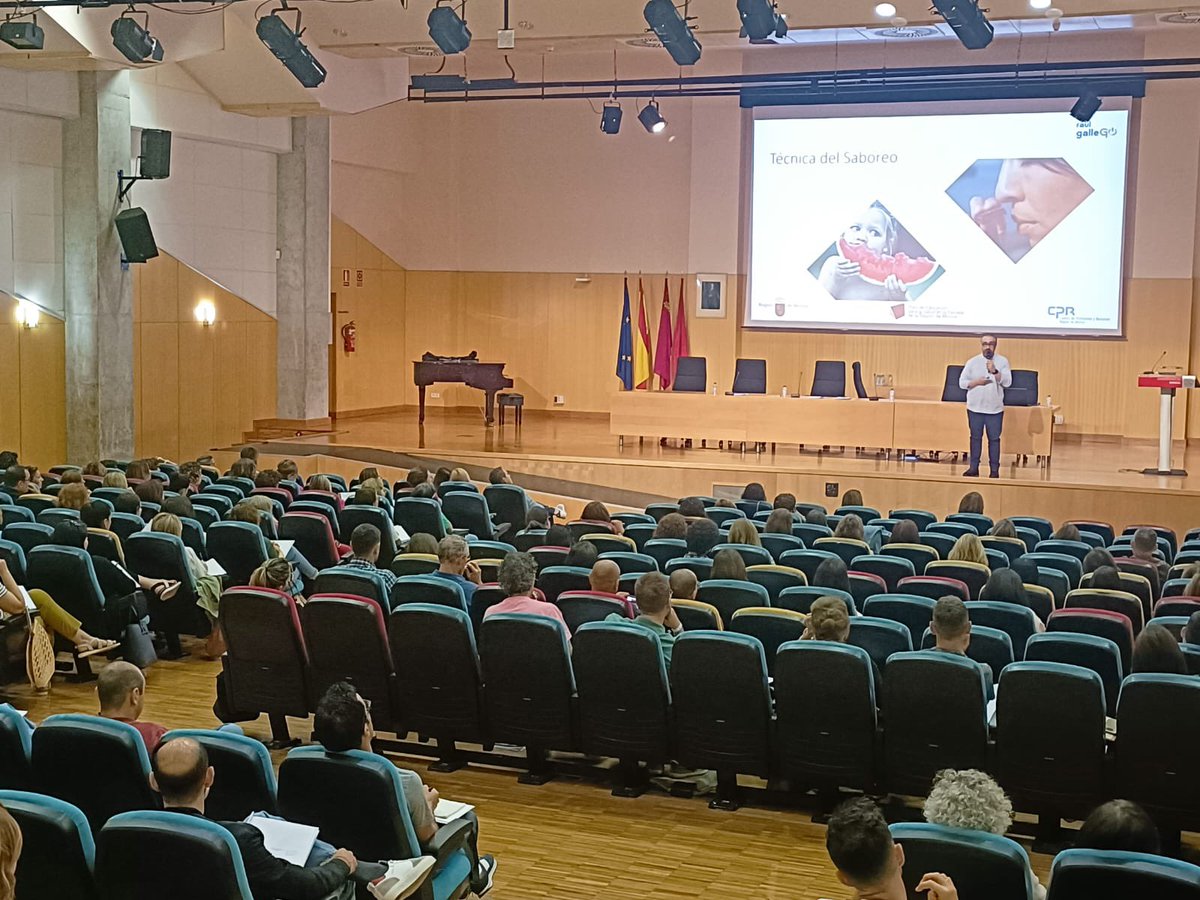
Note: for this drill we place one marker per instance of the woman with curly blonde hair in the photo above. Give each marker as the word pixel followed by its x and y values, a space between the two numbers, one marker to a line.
pixel 968 548
pixel 11 843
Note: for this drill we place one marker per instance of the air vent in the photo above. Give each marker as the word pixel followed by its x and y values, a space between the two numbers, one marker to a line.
pixel 648 40
pixel 1179 18
pixel 906 31
pixel 422 50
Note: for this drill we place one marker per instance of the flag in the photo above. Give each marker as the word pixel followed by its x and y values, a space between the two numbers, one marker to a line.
pixel 625 347
pixel 680 346
pixel 663 361
pixel 641 345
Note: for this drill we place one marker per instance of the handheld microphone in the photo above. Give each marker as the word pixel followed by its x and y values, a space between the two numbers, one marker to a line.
pixel 1153 368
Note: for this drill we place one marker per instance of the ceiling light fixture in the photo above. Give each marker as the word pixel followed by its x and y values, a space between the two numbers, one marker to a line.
pixel 27 314
pixel 134 41
pixel 652 119
pixel 1086 106
pixel 885 10
pixel 284 42
pixel 449 29
pixel 761 20
pixel 610 117
pixel 205 312
pixel 970 25
pixel 1040 4
pixel 22 35
pixel 673 30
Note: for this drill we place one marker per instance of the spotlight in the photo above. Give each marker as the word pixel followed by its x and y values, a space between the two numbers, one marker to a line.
pixel 885 10
pixel 1085 107
pixel 28 315
pixel 970 25
pixel 134 41
pixel 760 20
pixel 652 119
pixel 205 312
pixel 448 30
pixel 672 29
pixel 23 35
pixel 1040 4
pixel 610 118
pixel 284 42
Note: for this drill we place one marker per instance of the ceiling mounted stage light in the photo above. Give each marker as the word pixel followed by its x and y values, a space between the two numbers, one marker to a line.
pixel 284 42
pixel 448 29
pixel 885 10
pixel 134 41
pixel 761 20
pixel 23 35
pixel 970 25
pixel 672 29
pixel 652 119
pixel 610 118
pixel 1086 106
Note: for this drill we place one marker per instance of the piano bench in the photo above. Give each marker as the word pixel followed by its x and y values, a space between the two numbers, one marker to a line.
pixel 516 401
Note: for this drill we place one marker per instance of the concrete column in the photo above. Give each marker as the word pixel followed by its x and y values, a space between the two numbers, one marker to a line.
pixel 302 272
pixel 98 293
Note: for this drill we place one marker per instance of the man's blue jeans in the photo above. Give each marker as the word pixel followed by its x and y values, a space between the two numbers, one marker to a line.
pixel 992 423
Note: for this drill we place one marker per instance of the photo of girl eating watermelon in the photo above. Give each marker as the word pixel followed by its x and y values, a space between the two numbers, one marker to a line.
pixel 875 259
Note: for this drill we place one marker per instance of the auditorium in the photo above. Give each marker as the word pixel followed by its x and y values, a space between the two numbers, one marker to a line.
pixel 613 450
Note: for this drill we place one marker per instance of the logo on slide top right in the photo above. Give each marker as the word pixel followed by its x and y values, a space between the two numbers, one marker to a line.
pixel 1017 202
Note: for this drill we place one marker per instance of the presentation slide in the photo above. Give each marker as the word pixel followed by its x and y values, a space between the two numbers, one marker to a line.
pixel 1011 222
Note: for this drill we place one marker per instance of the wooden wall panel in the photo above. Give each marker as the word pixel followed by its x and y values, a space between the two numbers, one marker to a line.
pixel 43 393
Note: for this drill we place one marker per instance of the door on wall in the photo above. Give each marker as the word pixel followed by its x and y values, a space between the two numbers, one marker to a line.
pixel 333 355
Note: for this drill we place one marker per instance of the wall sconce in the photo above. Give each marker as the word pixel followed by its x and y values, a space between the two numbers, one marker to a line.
pixel 28 315
pixel 206 312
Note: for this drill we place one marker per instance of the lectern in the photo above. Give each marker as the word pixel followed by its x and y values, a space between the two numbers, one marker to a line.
pixel 1167 385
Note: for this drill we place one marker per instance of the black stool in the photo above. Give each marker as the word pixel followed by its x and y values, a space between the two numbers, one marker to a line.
pixel 516 401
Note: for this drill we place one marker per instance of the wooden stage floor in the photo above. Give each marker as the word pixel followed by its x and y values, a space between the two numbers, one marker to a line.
pixel 574 455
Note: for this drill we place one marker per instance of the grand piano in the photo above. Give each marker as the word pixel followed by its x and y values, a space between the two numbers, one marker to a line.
pixel 485 376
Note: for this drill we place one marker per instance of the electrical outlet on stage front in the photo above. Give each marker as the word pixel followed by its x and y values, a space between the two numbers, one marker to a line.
pixel 831 489
pixel 559 400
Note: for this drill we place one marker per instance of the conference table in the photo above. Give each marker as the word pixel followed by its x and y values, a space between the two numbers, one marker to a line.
pixel 901 424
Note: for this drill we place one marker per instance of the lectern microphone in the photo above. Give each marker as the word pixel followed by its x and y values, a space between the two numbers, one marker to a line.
pixel 1153 368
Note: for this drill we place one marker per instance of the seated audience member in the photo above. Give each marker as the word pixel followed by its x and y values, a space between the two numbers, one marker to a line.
pixel 970 799
pixel 378 488
pixel 75 476
pixel 517 575
pixel 364 497
pixel 1193 587
pixel 278 574
pixel 11 844
pixel 1098 558
pixel 115 478
pixel 460 474
pixel 1026 569
pixel 972 502
pixel 121 691
pixel 702 535
pixel 582 555
pixel 138 470
pixel 179 506
pixel 869 861
pixel 691 508
pixel 1005 586
pixel 1066 532
pixel 1191 631
pixel 250 453
pixel 208 587
pixel 455 564
pixel 16 480
pixel 755 492
pixel 441 476
pixel 342 723
pixel 183 776
pixel 428 492
pixel 127 502
pixel 54 617
pixel 655 613
pixel 1156 650
pixel 951 627
pixel 725 503
pixel 73 496
pixel 728 563
pixel 598 512
pixel 557 536
pixel 96 514
pixel 1106 578
pixel 829 620
pixel 243 467
pixel 779 522
pixel 421 542
pixel 94 468
pixel 537 518
pixel 499 475
pixel 187 480
pixel 319 483
pixel 784 501
pixel 832 573
pixel 905 532
pixel 968 548
pixel 288 470
pixel 120 588
pixel 852 498
pixel 9 458
pixel 419 475
pixel 267 478
pixel 742 531
pixel 251 513
pixel 1143 545
pixel 605 577
pixel 685 584
pixel 851 528
pixel 1119 825
pixel 365 540
pixel 816 517
pixel 33 478
pixel 1004 529
pixel 150 491
pixel 672 525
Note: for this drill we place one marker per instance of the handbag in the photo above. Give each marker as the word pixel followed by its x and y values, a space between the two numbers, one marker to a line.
pixel 39 655
pixel 137 646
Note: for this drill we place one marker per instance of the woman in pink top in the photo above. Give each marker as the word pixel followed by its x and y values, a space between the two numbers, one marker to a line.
pixel 517 575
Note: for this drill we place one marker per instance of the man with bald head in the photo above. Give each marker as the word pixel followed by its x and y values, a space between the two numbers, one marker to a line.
pixel 121 690
pixel 183 777
pixel 605 577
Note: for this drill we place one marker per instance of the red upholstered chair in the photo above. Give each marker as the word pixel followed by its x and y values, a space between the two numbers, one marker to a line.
pixel 283 495
pixel 326 496
pixel 1177 606
pixel 347 641
pixel 1121 602
pixel 1100 622
pixel 933 587
pixel 864 585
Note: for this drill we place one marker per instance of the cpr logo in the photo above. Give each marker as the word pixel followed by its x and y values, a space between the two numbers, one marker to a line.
pixel 1059 312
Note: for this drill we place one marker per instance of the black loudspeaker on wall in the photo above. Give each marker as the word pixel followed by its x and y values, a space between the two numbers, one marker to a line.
pixel 156 153
pixel 137 240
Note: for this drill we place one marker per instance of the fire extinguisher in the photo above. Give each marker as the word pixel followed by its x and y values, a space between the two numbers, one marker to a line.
pixel 349 336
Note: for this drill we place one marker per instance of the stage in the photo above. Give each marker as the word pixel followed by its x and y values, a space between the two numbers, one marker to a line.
pixel 573 456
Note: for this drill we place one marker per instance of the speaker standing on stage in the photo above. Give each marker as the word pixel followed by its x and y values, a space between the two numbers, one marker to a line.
pixel 984 378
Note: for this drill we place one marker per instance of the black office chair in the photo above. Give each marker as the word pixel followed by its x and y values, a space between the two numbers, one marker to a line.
pixel 859 388
pixel 1024 388
pixel 750 376
pixel 829 378
pixel 951 392
pixel 58 854
pixel 691 375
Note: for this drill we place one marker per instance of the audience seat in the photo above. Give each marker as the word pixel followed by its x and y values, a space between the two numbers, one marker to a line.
pixel 1012 548
pixel 470 511
pixel 1120 602
pixel 697 616
pixel 922 518
pixel 847 549
pixel 729 595
pixel 446 488
pixel 1018 622
pixel 245 485
pixel 354 515
pixel 891 568
pixel 658 510
pixel 313 534
pixel 864 585
pixel 352 581
pixel 779 544
pixel 218 503
pixel 772 628
pixel 245 778
pixel 70 752
pixel 1089 874
pixel 973 575
pixel 347 640
pixel 751 555
pixel 989 646
pixel 632 563
pixel 15 772
pixel 800 599
pixel 554 580
pixel 1065 563
pixel 1057 582
pixel 428 589
pixel 983 866
pixel 1100 622
pixel 28 535
pixel 942 543
pixel 13 555
pixel 723 516
pixel 1177 606
pixel 917 555
pixel 808 533
pixel 1087 651
pixel 776 579
pixel 160 555
pixel 10 514
pixel 935 587
pixel 1040 600
pixel 981 523
pixel 665 549
pixel 581 527
pixel 58 854
pixel 638 532
pixel 806 561
pixel 38 503
pixel 67 574
pixel 509 505
pixel 912 610
pixel 954 530
pixel 580 607
pixel 418 515
pixel 880 638
pixel 414 564
pixel 239 547
pixel 1175 587
pixel 700 565
pixel 610 543
pixel 722 707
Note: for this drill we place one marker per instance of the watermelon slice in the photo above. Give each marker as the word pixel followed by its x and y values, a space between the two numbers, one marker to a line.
pixel 876 267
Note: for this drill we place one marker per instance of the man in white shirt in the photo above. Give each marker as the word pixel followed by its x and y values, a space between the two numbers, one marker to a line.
pixel 984 378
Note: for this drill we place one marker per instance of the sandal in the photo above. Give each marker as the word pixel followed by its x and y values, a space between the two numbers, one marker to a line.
pixel 165 590
pixel 95 646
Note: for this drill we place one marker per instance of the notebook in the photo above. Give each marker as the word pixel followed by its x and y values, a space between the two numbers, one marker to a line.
pixel 285 840
pixel 449 810
pixel 214 567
